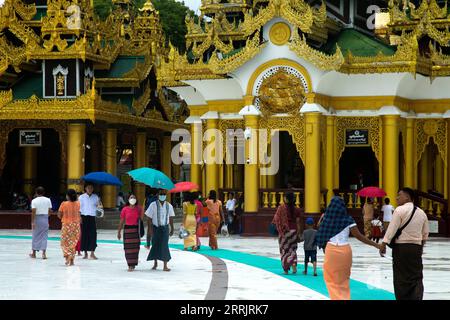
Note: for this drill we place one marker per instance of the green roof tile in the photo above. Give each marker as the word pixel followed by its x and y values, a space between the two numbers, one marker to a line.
pixel 121 66
pixel 29 85
pixel 357 43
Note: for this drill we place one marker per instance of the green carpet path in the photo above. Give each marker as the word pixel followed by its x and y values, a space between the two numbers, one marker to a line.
pixel 359 290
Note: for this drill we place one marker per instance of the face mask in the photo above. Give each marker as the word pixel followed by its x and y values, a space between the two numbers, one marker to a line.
pixel 162 197
pixel 132 201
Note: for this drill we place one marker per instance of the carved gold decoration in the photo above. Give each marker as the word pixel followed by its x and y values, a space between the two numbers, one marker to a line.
pixel 319 59
pixel 281 93
pixel 280 33
pixel 295 125
pixel 425 129
pixel 373 124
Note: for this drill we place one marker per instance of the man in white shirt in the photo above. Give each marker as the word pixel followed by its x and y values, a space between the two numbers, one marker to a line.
pixel 230 206
pixel 387 210
pixel 41 207
pixel 89 202
pixel 160 214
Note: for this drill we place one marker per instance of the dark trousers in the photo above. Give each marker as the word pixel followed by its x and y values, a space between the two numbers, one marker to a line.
pixel 88 233
pixel 408 276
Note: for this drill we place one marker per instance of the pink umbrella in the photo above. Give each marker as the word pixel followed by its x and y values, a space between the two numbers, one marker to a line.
pixel 184 186
pixel 371 192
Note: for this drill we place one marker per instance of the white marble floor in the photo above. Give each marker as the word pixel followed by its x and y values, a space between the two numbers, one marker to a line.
pixel 191 275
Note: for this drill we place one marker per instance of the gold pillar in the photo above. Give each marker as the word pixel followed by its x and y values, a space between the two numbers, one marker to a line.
pixel 330 156
pixel 76 138
pixel 390 156
pixel 196 153
pixel 251 168
pixel 439 174
pixel 110 192
pixel 229 175
pixel 448 173
pixel 312 165
pixel 410 173
pixel 29 169
pixel 212 168
pixel 139 162
pixel 423 183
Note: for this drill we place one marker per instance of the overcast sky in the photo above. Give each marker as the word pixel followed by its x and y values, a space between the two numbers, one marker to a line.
pixel 193 4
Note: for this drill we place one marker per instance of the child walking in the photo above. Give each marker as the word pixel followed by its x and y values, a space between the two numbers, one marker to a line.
pixel 377 229
pixel 309 245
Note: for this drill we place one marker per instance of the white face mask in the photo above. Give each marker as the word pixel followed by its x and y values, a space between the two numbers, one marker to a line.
pixel 132 201
pixel 162 197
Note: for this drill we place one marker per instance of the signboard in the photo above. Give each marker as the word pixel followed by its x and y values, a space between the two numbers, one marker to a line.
pixel 357 137
pixel 434 226
pixel 30 138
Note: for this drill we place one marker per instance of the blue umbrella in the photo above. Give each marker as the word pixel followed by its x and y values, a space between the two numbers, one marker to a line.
pixel 102 178
pixel 152 177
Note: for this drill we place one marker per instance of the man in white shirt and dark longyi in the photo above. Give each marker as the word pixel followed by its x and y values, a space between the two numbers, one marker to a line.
pixel 160 214
pixel 41 208
pixel 89 202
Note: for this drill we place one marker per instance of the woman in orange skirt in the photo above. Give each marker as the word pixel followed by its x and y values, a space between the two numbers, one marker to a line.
pixel 69 213
pixel 214 218
pixel 332 236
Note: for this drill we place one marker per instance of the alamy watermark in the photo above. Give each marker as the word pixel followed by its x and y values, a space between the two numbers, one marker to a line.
pixel 213 148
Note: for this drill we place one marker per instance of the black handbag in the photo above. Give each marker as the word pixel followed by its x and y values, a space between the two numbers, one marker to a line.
pixel 141 228
pixel 399 230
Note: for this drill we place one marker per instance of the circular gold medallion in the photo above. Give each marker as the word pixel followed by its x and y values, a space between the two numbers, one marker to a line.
pixel 280 33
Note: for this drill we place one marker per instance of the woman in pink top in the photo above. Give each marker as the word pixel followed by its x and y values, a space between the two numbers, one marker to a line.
pixel 130 216
pixel 214 218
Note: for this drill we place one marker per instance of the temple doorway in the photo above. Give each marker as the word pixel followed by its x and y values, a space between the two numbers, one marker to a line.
pixel 45 161
pixel 292 171
pixel 358 167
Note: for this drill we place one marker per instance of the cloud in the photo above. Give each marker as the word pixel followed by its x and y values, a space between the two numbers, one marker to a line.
pixel 194 5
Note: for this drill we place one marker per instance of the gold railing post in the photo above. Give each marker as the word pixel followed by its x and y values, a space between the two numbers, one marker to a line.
pixel 438 211
pixel 266 199
pixel 225 196
pixel 350 200
pixel 358 201
pixel 342 196
pixel 274 199
pixel 430 207
pixel 322 202
pixel 297 199
pixel 281 198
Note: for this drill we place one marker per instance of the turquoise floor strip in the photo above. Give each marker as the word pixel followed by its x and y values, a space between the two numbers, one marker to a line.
pixel 359 290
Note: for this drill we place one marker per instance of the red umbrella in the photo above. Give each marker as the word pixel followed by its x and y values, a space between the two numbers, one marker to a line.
pixel 184 186
pixel 371 192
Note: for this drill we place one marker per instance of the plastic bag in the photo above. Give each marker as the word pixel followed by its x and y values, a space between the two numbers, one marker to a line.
pixel 183 233
pixel 224 230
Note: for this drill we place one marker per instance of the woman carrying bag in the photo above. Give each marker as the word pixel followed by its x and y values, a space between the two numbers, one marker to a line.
pixel 131 216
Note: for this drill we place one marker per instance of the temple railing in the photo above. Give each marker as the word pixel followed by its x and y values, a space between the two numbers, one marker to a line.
pixel 353 201
pixel 432 205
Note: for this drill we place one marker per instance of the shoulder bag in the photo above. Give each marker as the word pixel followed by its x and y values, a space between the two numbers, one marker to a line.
pixel 399 230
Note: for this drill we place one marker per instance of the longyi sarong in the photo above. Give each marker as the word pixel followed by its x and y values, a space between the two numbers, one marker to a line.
pixel 160 244
pixel 337 268
pixel 131 244
pixel 288 249
pixel 191 226
pixel 408 271
pixel 213 225
pixel 40 232
pixel 70 233
pixel 88 233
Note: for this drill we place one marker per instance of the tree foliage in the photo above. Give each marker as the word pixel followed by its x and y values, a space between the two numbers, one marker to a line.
pixel 172 14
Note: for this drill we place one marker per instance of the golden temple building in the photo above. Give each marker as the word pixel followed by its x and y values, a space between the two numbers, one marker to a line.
pixel 79 94
pixel 357 90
